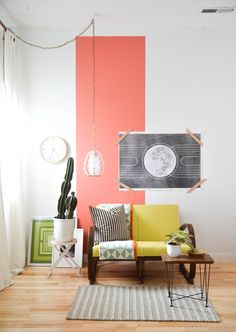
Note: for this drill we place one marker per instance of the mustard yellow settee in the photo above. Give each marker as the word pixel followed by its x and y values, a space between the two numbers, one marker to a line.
pixel 149 225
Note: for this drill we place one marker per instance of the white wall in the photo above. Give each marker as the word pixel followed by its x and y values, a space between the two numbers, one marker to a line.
pixel 49 94
pixel 6 18
pixel 190 83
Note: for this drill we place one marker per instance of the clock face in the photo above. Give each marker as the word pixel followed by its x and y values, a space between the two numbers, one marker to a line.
pixel 53 149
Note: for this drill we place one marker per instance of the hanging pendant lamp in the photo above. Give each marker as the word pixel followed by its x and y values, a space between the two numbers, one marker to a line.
pixel 93 163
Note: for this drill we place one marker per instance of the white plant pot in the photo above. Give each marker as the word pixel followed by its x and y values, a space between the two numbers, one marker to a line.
pixel 173 250
pixel 63 229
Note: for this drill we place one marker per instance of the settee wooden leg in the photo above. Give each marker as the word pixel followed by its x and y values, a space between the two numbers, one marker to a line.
pixel 141 271
pixel 137 267
pixel 188 274
pixel 92 271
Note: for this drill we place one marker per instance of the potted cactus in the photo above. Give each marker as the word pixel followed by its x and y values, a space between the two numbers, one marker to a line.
pixel 64 222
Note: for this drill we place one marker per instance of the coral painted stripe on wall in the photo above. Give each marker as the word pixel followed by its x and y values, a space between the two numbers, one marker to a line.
pixel 120 106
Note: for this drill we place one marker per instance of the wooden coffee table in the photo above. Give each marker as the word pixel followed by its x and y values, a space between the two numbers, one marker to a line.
pixel 204 263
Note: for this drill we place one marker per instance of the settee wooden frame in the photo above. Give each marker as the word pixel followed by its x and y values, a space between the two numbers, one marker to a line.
pixel 188 273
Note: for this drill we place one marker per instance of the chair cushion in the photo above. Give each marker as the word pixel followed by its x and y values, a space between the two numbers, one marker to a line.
pixel 154 248
pixel 117 250
pixel 147 248
pixel 109 225
pixel 96 250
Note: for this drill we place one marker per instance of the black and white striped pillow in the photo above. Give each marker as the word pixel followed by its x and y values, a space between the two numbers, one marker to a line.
pixel 109 225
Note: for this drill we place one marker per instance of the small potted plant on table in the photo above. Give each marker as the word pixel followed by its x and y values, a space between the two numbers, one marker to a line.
pixel 64 222
pixel 181 236
pixel 175 239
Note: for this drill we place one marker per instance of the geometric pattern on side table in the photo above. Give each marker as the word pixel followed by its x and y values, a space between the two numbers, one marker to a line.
pixel 41 235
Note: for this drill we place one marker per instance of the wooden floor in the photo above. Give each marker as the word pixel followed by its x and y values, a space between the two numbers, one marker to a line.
pixel 36 303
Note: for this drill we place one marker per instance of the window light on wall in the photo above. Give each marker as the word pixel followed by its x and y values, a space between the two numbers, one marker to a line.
pixel 93 164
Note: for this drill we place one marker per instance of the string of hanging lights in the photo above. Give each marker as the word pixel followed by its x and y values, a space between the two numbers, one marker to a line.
pixel 5 28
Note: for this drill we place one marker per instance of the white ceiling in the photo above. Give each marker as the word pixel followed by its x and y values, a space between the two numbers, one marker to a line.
pixel 119 13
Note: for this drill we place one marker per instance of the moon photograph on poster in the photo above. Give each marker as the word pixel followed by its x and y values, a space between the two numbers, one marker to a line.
pixel 159 161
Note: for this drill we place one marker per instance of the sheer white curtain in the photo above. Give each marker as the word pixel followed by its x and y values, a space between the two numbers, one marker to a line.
pixel 12 131
pixel 5 277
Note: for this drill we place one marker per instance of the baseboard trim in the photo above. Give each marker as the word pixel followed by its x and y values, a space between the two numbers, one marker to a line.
pixel 223 257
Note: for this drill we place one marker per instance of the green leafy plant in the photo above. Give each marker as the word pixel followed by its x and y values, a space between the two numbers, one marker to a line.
pixel 180 236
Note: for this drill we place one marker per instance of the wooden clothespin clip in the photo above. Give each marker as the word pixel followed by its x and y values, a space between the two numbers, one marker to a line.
pixel 123 136
pixel 194 137
pixel 196 186
pixel 124 185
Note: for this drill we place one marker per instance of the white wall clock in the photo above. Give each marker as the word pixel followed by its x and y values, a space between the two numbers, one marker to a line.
pixel 53 149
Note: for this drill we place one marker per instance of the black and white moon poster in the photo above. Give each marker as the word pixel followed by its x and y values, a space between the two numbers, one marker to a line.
pixel 158 161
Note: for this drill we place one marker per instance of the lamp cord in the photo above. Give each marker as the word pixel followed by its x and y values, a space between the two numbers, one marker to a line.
pixel 94 91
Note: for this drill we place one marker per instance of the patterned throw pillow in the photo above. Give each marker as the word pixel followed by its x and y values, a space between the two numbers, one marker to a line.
pixel 127 207
pixel 109 225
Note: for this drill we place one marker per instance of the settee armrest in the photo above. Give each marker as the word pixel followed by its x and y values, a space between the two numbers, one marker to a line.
pixel 91 263
pixel 90 241
pixel 191 232
pixel 189 274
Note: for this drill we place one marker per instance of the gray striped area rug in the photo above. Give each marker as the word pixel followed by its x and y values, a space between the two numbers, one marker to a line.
pixel 138 303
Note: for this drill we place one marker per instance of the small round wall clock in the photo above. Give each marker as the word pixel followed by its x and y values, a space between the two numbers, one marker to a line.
pixel 53 149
